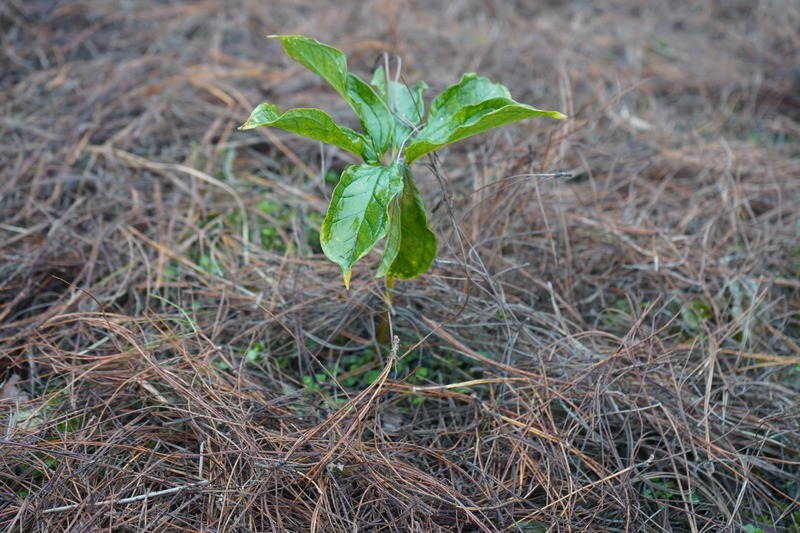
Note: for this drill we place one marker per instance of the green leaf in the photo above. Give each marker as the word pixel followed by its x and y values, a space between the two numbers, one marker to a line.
pixel 405 103
pixel 393 238
pixel 331 65
pixel 372 375
pixel 417 248
pixel 471 90
pixel 324 60
pixel 311 123
pixel 378 81
pixel 375 117
pixel 472 106
pixel 358 216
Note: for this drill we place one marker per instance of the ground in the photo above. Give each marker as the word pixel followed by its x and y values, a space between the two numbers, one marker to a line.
pixel 618 350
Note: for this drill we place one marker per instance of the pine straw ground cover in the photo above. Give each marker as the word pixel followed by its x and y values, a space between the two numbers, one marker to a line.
pixel 617 351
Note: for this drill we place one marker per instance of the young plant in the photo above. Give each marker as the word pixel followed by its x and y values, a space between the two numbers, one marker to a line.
pixel 379 198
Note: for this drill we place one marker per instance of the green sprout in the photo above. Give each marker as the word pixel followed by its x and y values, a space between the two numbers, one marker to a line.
pixel 379 198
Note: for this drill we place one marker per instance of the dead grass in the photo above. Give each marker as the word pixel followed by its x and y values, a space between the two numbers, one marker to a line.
pixel 618 351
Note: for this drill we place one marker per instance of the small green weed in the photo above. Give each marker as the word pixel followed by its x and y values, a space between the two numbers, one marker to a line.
pixel 789 521
pixel 664 491
pixel 694 315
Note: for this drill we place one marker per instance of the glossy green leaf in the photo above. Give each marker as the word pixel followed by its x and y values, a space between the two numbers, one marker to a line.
pixel 405 103
pixel 311 123
pixel 331 65
pixel 472 106
pixel 471 90
pixel 393 238
pixel 358 216
pixel 372 110
pixel 417 248
pixel 378 81
pixel 324 60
